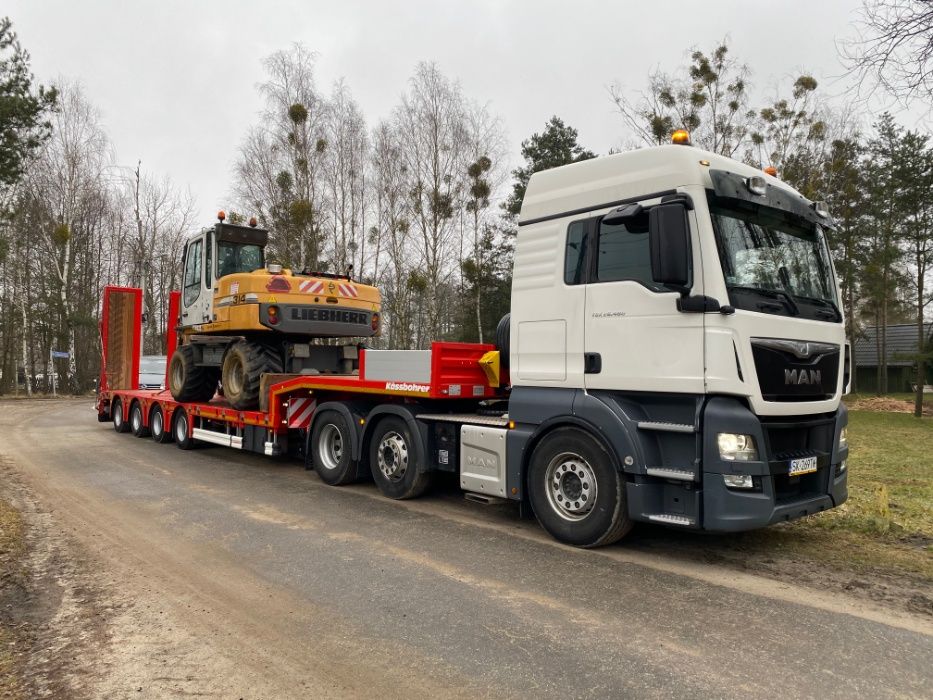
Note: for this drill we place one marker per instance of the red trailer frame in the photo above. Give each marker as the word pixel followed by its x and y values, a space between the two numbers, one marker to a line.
pixel 456 373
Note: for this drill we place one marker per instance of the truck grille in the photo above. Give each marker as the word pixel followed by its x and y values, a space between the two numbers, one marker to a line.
pixel 790 370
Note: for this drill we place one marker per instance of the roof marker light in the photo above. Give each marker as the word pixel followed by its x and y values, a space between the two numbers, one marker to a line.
pixel 756 185
pixel 221 215
pixel 681 137
pixel 770 170
pixel 253 222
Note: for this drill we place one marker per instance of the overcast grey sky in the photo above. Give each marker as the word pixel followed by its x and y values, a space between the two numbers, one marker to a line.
pixel 175 80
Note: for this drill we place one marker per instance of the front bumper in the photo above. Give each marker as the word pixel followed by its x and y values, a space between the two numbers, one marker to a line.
pixel 777 497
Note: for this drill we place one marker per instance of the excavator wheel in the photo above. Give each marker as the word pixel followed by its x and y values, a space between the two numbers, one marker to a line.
pixel 244 364
pixel 186 380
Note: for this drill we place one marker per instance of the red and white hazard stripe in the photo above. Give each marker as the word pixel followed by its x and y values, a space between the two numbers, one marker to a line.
pixel 347 289
pixel 300 412
pixel 311 286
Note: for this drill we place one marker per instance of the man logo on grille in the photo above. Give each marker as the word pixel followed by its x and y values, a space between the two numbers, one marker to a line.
pixel 802 376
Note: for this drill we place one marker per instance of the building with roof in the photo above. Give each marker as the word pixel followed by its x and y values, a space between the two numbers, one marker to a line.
pixel 900 350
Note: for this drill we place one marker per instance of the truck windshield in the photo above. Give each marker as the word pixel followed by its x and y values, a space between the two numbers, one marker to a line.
pixel 774 262
pixel 237 257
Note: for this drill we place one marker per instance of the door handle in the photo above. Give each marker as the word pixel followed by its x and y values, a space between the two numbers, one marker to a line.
pixel 592 363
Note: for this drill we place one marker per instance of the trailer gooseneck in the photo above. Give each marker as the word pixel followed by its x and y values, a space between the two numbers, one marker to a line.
pixel 674 354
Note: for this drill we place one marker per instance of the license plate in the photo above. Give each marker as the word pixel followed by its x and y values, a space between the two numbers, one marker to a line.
pixel 804 465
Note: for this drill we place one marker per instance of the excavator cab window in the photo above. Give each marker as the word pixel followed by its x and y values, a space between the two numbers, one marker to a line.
pixel 193 273
pixel 238 257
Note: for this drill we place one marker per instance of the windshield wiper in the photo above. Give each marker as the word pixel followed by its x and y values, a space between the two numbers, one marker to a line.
pixel 774 294
pixel 823 302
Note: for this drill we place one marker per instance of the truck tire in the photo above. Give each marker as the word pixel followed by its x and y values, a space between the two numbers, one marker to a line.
pixel 576 492
pixel 157 425
pixel 136 420
pixel 393 460
pixel 116 414
pixel 502 339
pixel 244 365
pixel 181 430
pixel 187 381
pixel 331 449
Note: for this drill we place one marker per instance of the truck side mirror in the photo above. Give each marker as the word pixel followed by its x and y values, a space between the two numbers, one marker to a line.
pixel 669 243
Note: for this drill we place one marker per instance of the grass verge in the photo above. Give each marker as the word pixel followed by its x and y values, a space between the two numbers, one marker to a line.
pixel 12 552
pixel 887 523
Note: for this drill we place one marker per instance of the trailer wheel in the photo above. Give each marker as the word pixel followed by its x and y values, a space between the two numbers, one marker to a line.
pixel 243 367
pixel 393 459
pixel 181 429
pixel 576 492
pixel 186 380
pixel 157 425
pixel 116 413
pixel 136 420
pixel 331 449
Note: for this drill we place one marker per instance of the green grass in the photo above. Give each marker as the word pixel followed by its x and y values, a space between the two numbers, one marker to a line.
pixel 887 523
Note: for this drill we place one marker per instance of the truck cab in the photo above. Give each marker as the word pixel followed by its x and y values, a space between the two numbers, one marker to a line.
pixel 681 309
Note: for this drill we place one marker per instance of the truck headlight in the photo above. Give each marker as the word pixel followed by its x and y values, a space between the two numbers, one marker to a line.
pixel 737 448
pixel 844 436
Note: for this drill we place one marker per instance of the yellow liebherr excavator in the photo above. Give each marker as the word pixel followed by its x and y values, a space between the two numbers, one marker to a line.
pixel 241 317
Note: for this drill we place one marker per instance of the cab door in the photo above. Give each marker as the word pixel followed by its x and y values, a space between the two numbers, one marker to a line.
pixel 635 338
pixel 197 282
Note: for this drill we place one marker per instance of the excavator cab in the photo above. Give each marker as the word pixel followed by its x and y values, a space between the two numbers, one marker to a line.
pixel 225 249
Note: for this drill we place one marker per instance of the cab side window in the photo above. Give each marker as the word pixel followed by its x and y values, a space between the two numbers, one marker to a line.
pixel 193 273
pixel 623 252
pixel 575 253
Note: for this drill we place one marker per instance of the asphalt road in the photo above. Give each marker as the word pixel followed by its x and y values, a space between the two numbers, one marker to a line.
pixel 232 575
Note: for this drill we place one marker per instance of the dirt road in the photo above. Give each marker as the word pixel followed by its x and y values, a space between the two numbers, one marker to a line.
pixel 163 573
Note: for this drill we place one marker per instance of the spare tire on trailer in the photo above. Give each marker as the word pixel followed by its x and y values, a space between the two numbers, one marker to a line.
pixel 244 365
pixel 502 339
pixel 186 380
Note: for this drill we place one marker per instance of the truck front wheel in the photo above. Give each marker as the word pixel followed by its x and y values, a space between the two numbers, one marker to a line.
pixel 576 492
pixel 330 449
pixel 393 459
pixel 244 365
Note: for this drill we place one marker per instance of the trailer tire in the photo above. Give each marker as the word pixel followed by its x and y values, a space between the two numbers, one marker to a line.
pixel 186 380
pixel 576 492
pixel 331 448
pixel 394 460
pixel 181 430
pixel 157 425
pixel 136 420
pixel 243 367
pixel 116 414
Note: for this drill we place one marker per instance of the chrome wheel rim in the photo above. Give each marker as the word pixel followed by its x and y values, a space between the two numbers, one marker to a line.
pixel 571 486
pixel 136 418
pixel 156 423
pixel 392 456
pixel 118 414
pixel 181 428
pixel 331 447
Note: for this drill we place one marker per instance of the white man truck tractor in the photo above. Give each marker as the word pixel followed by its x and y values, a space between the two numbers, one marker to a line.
pixel 674 354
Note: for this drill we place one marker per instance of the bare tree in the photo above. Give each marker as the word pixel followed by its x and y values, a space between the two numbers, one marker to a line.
pixel 894 48
pixel 435 147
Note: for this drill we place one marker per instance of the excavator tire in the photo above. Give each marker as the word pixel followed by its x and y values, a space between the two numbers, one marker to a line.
pixel 244 365
pixel 186 380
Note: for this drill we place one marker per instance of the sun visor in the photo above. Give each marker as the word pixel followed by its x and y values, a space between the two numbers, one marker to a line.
pixel 231 233
pixel 736 187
